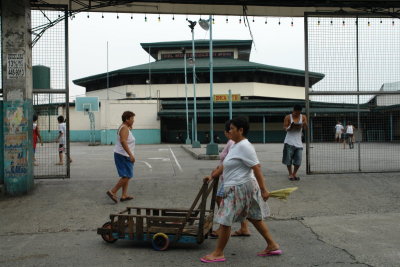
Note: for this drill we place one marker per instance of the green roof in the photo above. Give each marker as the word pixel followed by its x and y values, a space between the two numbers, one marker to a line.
pixel 168 66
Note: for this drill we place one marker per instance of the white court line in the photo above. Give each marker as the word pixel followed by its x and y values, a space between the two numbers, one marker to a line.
pixel 148 164
pixel 177 163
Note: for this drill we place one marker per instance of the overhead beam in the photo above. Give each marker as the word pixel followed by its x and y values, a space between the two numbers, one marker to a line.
pixel 289 8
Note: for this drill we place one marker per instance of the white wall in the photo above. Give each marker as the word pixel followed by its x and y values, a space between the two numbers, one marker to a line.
pixel 388 100
pixel 202 90
pixel 145 111
pixel 79 121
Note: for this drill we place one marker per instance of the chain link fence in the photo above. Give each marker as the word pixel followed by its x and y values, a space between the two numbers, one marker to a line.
pixel 50 89
pixel 354 112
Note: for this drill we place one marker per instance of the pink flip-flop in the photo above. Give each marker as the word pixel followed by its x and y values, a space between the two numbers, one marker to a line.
pixel 270 253
pixel 214 260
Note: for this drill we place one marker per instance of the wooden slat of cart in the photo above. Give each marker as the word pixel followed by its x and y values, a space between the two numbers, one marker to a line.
pixel 121 226
pixel 131 226
pixel 139 227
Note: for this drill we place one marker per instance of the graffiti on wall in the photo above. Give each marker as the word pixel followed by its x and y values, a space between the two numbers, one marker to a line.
pixel 15 142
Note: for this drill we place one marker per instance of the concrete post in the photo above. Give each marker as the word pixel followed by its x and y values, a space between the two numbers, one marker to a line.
pixel 17 95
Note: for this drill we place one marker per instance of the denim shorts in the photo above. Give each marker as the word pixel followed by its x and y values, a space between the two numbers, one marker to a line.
pixel 124 166
pixel 292 155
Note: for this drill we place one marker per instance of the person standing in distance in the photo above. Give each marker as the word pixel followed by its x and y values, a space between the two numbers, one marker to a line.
pixel 293 147
pixel 124 157
pixel 62 140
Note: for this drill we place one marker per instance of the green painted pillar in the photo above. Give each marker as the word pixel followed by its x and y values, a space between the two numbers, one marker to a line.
pixel 17 95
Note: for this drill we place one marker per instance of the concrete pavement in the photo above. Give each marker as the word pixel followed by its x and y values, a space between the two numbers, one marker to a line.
pixel 332 220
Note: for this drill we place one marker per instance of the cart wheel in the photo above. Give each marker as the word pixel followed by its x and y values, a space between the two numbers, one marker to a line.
pixel 160 241
pixel 108 238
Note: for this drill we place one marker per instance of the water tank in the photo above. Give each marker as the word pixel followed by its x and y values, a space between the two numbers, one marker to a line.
pixel 41 77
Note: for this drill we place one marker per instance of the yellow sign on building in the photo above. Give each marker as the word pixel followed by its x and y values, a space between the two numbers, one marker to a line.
pixel 225 98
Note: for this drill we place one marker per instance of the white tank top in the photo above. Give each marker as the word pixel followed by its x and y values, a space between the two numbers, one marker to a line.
pixel 349 129
pixel 293 138
pixel 131 144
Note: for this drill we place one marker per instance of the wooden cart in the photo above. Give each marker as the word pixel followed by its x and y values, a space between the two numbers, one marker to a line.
pixel 164 226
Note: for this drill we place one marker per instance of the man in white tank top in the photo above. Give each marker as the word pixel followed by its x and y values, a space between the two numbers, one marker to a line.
pixel 293 147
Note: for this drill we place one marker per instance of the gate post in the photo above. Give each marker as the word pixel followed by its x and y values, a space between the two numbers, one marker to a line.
pixel 17 95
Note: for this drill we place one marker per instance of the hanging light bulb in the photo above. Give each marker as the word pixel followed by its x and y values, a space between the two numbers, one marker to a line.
pixel 187 18
pixel 240 20
pixel 173 17
pixel 131 16
pixel 159 18
pixel 343 23
pixel 88 15
pixel 226 20
pixel 145 18
pixel 279 22
pixel 331 22
pixel 266 21
pixel 291 23
pixel 392 22
pixel 102 15
pixel 253 19
pixel 117 16
pixel 318 22
pixel 213 20
pixel 381 21
pixel 369 24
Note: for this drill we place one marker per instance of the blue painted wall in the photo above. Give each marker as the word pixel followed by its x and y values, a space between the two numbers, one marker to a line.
pixel 105 137
pixel 143 136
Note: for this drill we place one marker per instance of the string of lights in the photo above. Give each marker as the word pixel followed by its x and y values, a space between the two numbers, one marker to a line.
pixel 254 19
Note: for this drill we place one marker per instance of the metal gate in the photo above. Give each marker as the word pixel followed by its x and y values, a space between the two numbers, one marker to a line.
pixel 50 88
pixel 359 55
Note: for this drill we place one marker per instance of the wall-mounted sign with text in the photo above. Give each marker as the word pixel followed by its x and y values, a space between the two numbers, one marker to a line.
pixel 198 55
pixel 225 98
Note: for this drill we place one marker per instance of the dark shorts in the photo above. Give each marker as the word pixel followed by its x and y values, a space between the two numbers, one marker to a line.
pixel 61 148
pixel 292 155
pixel 124 166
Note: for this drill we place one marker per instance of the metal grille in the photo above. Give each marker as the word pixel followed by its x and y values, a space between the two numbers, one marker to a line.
pixel 358 54
pixel 50 50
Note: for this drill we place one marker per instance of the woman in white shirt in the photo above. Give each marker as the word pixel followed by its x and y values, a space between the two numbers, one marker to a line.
pixel 124 157
pixel 245 193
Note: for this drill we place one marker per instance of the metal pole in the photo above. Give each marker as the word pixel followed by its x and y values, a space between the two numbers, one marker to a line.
pixel 358 96
pixel 307 89
pixel 196 144
pixel 108 84
pixel 264 129
pixel 211 85
pixel 391 127
pixel 212 148
pixel 188 141
pixel 230 104
pixel 149 74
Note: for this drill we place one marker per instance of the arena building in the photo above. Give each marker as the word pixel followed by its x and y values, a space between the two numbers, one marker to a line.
pixel 156 93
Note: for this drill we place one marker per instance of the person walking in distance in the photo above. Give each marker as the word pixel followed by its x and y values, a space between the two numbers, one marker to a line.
pixel 350 135
pixel 124 157
pixel 293 147
pixel 338 131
